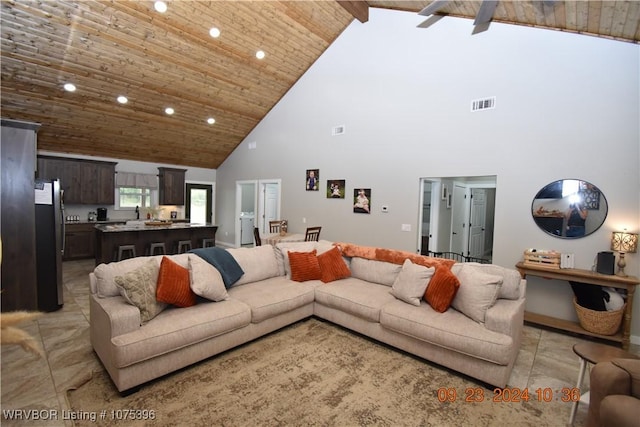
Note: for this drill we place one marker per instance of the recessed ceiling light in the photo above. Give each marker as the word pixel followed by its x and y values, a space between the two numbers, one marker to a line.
pixel 214 32
pixel 211 120
pixel 169 110
pixel 69 87
pixel 160 6
pixel 122 99
pixel 260 54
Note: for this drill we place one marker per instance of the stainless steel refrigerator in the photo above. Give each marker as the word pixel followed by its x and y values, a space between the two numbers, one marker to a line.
pixel 49 218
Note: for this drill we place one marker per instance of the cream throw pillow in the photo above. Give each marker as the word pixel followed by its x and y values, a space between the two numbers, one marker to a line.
pixel 206 280
pixel 412 282
pixel 478 291
pixel 138 287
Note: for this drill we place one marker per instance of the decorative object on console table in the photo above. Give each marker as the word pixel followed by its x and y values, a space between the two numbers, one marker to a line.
pixel 542 258
pixel 284 226
pixel 623 242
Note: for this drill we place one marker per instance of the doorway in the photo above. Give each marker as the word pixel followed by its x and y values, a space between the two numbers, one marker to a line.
pixel 257 202
pixel 268 203
pixel 459 217
pixel 199 203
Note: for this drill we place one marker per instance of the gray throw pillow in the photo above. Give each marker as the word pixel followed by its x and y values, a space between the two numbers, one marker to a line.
pixel 138 287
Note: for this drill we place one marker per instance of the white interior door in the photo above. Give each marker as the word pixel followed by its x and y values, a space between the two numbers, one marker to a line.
pixel 477 223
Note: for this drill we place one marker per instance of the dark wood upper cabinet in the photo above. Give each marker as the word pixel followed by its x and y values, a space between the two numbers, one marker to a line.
pixel 85 182
pixel 171 181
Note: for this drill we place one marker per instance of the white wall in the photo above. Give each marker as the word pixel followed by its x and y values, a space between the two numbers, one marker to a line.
pixel 567 107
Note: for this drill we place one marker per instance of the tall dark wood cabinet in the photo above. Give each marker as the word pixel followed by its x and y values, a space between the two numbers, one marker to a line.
pixel 171 181
pixel 18 161
pixel 85 182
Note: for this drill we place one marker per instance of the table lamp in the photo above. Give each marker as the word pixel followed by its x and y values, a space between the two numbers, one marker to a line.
pixel 623 242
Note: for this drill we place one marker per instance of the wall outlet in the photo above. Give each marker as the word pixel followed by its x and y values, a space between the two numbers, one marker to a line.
pixel 304 220
pixel 406 227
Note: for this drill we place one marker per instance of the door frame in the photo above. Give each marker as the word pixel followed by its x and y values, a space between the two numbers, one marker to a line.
pixel 211 209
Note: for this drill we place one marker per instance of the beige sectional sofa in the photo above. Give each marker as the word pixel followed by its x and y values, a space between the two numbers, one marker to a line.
pixel 264 299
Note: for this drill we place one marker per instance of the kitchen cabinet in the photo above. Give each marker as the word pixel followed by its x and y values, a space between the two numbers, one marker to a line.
pixel 80 241
pixel 85 182
pixel 171 181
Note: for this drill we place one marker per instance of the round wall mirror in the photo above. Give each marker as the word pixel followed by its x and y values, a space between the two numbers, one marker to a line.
pixel 569 208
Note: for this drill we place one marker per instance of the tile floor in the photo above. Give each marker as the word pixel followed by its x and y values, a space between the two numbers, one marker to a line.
pixel 546 358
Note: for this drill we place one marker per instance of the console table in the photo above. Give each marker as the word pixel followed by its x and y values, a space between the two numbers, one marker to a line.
pixel 583 276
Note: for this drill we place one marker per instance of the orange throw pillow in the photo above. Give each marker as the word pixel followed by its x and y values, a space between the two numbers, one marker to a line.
pixel 174 286
pixel 332 266
pixel 442 289
pixel 304 266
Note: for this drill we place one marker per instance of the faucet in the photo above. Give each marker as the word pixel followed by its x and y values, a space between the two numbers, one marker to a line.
pixel 137 212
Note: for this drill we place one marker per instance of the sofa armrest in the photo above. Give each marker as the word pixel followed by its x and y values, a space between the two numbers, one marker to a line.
pixel 113 316
pixel 606 379
pixel 506 317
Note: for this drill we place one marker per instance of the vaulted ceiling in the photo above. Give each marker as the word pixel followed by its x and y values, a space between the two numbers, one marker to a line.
pixel 158 60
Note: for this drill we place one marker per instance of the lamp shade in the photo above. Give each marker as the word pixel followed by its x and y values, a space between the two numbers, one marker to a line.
pixel 621 241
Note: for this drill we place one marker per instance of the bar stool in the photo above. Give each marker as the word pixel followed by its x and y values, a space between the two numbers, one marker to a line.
pixel 126 249
pixel 206 243
pixel 157 247
pixel 184 246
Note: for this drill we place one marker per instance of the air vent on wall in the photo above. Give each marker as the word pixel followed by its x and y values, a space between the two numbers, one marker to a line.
pixel 337 130
pixel 483 104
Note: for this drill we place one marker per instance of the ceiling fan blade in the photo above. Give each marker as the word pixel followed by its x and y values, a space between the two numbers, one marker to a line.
pixel 486 12
pixel 433 7
pixel 480 28
pixel 430 21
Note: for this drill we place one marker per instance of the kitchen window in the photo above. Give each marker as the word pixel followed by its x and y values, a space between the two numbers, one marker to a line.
pixel 130 197
pixel 133 189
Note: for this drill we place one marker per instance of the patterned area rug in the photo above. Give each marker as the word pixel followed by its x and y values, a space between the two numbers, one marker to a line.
pixel 311 373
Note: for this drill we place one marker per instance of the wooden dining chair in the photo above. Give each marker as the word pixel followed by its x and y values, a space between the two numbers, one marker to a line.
pixel 312 234
pixel 256 235
pixel 274 226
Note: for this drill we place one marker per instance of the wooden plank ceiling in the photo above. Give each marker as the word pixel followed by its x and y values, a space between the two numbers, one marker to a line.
pixel 112 48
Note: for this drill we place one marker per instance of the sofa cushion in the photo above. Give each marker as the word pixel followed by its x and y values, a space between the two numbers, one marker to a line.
pixel 478 291
pixel 511 278
pixel 138 287
pixel 442 288
pixel 333 266
pixel 174 284
pixel 276 295
pixel 411 282
pixel 258 263
pixel 304 266
pixel 176 328
pixel 380 272
pixel 206 280
pixel 355 296
pixel 451 329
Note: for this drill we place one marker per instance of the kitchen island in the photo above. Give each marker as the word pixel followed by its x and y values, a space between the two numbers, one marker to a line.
pixel 109 237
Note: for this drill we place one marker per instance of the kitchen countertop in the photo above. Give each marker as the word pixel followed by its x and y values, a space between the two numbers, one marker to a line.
pixel 106 228
pixel 110 221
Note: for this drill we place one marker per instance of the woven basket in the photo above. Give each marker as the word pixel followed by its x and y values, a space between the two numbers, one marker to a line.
pixel 599 322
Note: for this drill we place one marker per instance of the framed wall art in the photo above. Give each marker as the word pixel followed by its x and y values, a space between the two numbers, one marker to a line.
pixel 312 182
pixel 335 189
pixel 362 200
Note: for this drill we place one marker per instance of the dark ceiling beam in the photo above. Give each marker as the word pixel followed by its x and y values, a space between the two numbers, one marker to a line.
pixel 359 9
